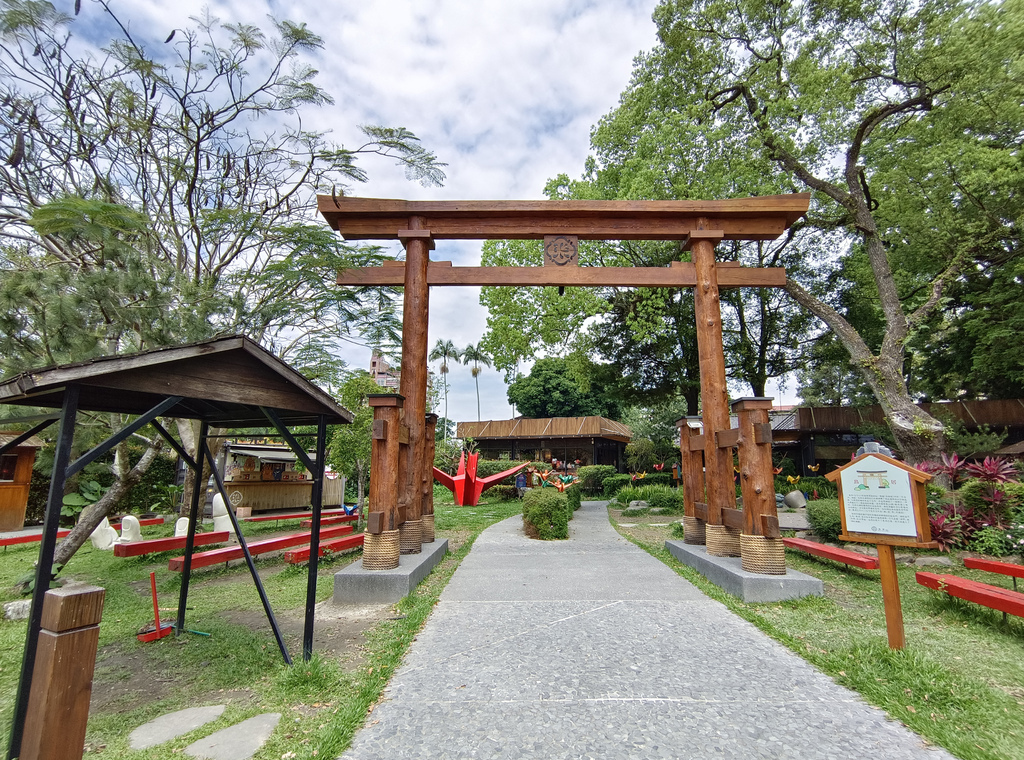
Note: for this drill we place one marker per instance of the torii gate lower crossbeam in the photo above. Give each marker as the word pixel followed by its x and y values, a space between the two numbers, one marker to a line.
pixel 696 225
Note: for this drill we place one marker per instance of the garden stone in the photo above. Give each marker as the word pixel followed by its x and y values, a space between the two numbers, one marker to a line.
pixel 638 505
pixel 932 560
pixel 17 610
pixel 660 511
pixel 171 725
pixel 239 742
pixel 905 557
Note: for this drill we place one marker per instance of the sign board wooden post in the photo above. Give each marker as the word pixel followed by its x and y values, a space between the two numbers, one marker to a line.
pixel 882 501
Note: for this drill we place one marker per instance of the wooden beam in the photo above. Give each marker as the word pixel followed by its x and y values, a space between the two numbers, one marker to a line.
pixel 681 274
pixel 763 218
pixel 727 439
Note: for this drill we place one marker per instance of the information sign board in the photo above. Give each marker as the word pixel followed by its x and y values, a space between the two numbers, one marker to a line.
pixel 879 498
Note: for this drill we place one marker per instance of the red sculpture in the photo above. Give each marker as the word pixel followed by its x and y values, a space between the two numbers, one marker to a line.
pixel 466 486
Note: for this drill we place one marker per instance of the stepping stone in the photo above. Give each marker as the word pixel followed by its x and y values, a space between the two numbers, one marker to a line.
pixel 627 525
pixel 930 560
pixel 167 727
pixel 238 742
pixel 658 525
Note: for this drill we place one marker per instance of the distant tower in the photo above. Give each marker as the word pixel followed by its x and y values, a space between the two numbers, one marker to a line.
pixel 382 373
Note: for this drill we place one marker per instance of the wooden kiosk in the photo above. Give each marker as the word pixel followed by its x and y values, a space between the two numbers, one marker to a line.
pixel 697 226
pixel 15 479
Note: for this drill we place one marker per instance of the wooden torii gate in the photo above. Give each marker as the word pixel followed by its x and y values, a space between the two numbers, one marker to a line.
pixel 401 504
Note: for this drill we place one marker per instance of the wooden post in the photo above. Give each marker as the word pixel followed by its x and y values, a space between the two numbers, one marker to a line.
pixel 58 705
pixel 691 453
pixel 381 548
pixel 429 431
pixel 757 483
pixel 714 392
pixel 418 244
pixel 891 596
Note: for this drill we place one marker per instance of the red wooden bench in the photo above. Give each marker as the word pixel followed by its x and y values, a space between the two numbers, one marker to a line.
pixel 167 544
pixel 295 556
pixel 142 523
pixel 845 556
pixel 1002 599
pixel 330 520
pixel 28 538
pixel 1003 568
pixel 291 515
pixel 216 556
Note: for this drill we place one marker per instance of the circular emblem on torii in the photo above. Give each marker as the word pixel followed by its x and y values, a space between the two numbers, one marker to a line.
pixel 561 250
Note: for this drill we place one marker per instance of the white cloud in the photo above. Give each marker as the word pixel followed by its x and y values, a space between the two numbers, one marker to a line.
pixel 504 91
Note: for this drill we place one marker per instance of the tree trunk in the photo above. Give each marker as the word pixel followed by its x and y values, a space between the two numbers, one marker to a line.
pixel 94 514
pixel 920 436
pixel 188 432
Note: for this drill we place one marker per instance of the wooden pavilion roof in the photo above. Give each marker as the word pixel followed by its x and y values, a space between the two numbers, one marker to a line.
pixel 548 427
pixel 761 218
pixel 224 381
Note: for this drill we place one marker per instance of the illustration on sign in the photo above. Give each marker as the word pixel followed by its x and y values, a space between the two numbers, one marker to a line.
pixel 878 498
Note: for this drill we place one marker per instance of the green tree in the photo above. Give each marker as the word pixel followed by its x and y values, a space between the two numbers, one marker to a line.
pixel 154 196
pixel 840 99
pixel 444 351
pixel 477 356
pixel 550 390
pixel 350 444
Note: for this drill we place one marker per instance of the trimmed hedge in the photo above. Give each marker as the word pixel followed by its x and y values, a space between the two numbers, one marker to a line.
pixel 503 493
pixel 575 497
pixel 823 515
pixel 546 514
pixel 612 485
pixel 592 478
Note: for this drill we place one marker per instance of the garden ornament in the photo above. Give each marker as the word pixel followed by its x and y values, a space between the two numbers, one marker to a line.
pixel 181 527
pixel 221 518
pixel 795 500
pixel 131 530
pixel 104 536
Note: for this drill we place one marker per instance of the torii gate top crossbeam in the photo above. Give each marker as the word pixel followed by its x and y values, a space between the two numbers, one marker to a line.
pixel 763 218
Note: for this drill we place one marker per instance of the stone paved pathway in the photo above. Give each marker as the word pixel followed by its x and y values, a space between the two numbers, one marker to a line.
pixel 591 648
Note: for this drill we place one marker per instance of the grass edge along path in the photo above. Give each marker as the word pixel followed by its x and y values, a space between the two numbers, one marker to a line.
pixel 967 716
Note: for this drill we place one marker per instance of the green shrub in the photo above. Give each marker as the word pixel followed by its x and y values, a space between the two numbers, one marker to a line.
pixel 546 514
pixel 592 477
pixel 575 497
pixel 823 515
pixel 612 484
pixel 971 494
pixel 995 542
pixel 661 497
pixel 503 493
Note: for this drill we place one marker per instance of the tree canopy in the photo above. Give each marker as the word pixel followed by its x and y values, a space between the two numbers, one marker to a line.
pixel 550 390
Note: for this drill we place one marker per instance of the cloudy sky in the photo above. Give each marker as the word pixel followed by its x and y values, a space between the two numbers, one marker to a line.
pixel 504 91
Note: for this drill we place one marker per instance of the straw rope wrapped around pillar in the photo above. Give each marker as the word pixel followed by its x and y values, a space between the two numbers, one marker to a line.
pixel 763 555
pixel 410 536
pixel 693 531
pixel 380 550
pixel 427 529
pixel 722 541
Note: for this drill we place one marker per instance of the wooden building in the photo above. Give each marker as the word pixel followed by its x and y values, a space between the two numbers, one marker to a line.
pixel 260 475
pixel 571 440
pixel 15 478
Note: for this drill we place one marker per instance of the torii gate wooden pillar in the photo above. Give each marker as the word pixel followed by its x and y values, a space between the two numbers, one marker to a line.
pixel 697 225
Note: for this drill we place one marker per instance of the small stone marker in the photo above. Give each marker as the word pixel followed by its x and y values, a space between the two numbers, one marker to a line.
pixel 171 725
pixel 238 742
pixel 17 610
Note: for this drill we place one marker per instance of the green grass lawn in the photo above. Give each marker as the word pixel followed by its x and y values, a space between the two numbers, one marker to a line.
pixel 322 702
pixel 959 682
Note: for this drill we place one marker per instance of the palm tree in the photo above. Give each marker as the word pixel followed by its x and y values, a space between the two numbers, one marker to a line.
pixel 478 356
pixel 444 351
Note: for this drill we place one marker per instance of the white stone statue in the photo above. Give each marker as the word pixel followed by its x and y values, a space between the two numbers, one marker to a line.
pixel 221 519
pixel 131 531
pixel 181 527
pixel 104 536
